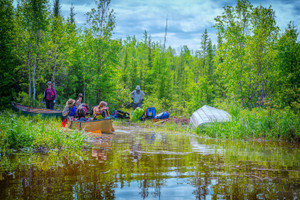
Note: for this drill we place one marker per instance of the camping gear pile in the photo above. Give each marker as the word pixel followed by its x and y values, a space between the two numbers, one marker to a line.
pixel 140 114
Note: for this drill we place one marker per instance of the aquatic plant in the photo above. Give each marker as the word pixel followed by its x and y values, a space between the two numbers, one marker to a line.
pixel 20 133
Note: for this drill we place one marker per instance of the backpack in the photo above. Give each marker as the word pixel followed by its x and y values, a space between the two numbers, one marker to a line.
pixel 138 114
pixel 114 114
pixel 163 115
pixel 121 114
pixel 150 113
pixel 51 93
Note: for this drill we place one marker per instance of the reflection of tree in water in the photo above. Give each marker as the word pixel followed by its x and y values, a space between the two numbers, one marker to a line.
pixel 60 176
pixel 75 175
pixel 144 185
pixel 201 185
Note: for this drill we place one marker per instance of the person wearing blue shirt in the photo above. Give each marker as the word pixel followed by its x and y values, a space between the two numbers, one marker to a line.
pixel 70 108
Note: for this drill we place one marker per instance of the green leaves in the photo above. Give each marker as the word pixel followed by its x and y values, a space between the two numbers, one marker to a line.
pixel 247 52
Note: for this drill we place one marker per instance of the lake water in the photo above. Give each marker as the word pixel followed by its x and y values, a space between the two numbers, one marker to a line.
pixel 139 164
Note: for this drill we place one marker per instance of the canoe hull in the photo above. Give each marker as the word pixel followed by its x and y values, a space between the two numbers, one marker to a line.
pixel 104 125
pixel 208 114
pixel 30 111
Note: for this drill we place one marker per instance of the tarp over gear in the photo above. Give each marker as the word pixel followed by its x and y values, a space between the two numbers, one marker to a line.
pixel 162 115
pixel 137 114
pixel 208 114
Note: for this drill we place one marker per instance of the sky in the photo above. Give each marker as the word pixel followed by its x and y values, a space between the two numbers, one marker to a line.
pixel 187 19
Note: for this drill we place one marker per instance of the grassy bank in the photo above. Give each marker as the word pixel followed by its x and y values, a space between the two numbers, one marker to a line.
pixel 257 123
pixel 35 134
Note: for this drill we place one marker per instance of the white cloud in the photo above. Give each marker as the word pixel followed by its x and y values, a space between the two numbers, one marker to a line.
pixel 187 19
pixel 286 13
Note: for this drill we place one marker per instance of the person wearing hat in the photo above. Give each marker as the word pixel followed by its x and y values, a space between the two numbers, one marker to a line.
pixel 70 108
pixel 137 96
pixel 50 96
pixel 78 100
pixel 101 111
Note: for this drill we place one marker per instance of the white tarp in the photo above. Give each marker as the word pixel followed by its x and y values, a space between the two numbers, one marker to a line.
pixel 207 114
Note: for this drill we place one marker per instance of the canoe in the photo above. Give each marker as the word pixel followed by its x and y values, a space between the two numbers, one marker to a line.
pixel 104 125
pixel 208 114
pixel 31 111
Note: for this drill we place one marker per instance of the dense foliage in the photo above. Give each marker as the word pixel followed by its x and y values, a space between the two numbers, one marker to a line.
pixel 254 63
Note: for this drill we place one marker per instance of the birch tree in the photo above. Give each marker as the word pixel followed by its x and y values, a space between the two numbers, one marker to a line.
pixel 35 12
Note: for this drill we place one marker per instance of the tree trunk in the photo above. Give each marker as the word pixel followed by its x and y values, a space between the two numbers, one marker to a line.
pixel 29 75
pixel 34 70
pixel 54 69
pixel 84 74
pixel 98 75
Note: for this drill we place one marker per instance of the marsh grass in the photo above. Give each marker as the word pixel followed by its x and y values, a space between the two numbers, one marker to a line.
pixel 23 134
pixel 257 123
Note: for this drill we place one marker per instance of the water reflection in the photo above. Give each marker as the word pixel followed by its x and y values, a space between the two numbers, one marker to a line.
pixel 135 152
pixel 141 165
pixel 102 145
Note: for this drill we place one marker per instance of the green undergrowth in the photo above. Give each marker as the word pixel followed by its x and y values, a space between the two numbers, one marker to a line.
pixel 35 134
pixel 258 123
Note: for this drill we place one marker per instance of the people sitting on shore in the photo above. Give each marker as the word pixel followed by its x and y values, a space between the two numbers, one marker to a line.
pixel 81 113
pixel 85 107
pixel 101 111
pixel 70 108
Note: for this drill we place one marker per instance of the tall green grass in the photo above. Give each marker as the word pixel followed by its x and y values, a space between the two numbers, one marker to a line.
pixel 257 123
pixel 19 133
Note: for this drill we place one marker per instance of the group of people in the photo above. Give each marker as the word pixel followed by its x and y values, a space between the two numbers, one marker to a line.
pixel 79 110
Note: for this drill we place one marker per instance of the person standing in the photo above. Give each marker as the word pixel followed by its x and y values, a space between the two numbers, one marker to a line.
pixel 78 100
pixel 50 96
pixel 137 96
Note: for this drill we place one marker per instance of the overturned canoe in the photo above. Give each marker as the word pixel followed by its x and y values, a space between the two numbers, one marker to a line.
pixel 104 125
pixel 208 114
pixel 31 111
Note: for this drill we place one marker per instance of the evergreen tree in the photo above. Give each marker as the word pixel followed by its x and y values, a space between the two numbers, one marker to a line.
pixel 6 53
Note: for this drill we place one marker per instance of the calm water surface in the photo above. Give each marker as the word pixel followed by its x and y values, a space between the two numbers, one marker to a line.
pixel 134 164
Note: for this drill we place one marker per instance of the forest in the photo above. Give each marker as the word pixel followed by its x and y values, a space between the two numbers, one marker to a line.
pixel 254 66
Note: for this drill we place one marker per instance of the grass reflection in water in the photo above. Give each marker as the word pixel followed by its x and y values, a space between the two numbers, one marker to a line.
pixel 145 165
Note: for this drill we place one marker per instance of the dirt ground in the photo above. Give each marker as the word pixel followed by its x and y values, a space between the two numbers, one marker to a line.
pixel 185 121
pixel 177 120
